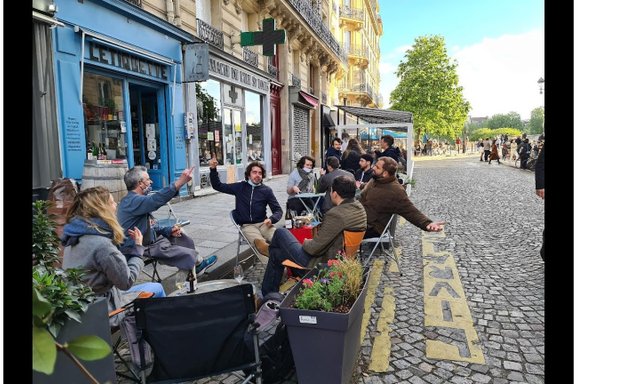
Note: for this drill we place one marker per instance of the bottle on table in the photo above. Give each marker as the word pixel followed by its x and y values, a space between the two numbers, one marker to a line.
pixel 191 281
pixel 288 220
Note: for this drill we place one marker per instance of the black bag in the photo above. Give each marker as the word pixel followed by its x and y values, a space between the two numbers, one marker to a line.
pixel 276 356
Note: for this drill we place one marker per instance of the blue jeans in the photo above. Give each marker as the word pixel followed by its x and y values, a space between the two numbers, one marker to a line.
pixel 156 288
pixel 283 246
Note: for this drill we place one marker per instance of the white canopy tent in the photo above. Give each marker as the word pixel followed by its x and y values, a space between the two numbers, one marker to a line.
pixel 374 123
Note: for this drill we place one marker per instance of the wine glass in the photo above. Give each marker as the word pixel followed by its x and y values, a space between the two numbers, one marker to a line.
pixel 238 273
pixel 180 279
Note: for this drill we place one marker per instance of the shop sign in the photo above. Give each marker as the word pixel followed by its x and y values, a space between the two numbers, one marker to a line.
pixel 120 59
pixel 239 76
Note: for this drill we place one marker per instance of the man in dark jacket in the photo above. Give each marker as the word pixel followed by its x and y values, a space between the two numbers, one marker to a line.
pixel 332 172
pixel 387 145
pixel 384 196
pixel 252 198
pixel 364 173
pixel 334 149
pixel 347 213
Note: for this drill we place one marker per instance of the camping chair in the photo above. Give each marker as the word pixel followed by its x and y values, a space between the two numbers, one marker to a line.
pixel 117 338
pixel 386 238
pixel 242 240
pixel 352 238
pixel 171 220
pixel 200 335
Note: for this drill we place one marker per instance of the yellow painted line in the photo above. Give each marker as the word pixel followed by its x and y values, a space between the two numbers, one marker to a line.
pixel 445 303
pixel 375 278
pixel 394 267
pixel 382 346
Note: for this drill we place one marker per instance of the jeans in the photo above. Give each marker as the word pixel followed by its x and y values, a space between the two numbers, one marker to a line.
pixel 283 246
pixel 156 288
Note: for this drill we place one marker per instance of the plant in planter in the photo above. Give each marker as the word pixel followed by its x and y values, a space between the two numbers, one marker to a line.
pixel 58 296
pixel 323 318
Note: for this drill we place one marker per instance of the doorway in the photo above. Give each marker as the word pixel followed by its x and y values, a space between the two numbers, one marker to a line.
pixel 148 132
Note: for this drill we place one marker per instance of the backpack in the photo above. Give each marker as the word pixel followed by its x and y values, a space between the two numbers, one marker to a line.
pixel 276 356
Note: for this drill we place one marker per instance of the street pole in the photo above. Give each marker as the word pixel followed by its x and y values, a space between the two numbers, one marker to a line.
pixel 541 82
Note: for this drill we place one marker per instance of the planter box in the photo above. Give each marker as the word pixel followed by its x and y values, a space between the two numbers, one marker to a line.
pixel 95 321
pixel 325 345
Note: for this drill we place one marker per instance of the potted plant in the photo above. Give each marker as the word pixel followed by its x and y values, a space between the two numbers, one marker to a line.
pixel 66 316
pixel 323 317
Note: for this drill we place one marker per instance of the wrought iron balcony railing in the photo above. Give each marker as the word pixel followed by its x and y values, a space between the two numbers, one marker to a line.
pixel 311 17
pixel 209 34
pixel 273 70
pixel 352 13
pixel 296 81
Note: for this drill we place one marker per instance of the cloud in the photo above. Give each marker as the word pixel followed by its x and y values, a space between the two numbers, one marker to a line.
pixel 499 75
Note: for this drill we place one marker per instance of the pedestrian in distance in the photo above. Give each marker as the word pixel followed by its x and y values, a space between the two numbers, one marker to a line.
pixel 539 175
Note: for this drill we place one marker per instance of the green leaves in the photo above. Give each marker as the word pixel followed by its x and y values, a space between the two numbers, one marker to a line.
pixel 44 351
pixel 429 89
pixel 89 348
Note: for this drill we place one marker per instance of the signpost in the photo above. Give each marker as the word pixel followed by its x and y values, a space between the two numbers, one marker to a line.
pixel 268 37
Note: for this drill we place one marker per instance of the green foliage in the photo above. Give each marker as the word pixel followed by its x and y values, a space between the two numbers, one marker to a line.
pixel 482 133
pixel 57 296
pixel 206 109
pixel 537 121
pixel 429 88
pixel 511 119
pixel 334 288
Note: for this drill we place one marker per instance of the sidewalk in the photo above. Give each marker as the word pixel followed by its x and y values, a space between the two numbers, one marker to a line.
pixel 213 232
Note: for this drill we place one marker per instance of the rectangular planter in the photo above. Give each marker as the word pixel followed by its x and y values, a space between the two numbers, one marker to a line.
pixel 325 345
pixel 95 321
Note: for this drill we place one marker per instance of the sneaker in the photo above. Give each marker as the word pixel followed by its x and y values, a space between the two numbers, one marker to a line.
pixel 205 264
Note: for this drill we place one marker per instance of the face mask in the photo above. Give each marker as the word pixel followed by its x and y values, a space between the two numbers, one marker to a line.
pixel 307 170
pixel 252 183
pixel 147 190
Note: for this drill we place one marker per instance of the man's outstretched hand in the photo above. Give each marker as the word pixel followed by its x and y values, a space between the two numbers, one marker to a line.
pixel 436 226
pixel 184 178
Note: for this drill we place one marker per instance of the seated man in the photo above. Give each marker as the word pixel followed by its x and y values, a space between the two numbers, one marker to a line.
pixel 252 198
pixel 167 244
pixel 347 213
pixel 332 172
pixel 364 173
pixel 384 195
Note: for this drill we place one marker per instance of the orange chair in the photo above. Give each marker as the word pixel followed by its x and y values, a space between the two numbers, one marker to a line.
pixel 352 238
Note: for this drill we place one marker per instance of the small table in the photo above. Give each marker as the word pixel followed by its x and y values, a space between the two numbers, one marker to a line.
pixel 316 197
pixel 213 285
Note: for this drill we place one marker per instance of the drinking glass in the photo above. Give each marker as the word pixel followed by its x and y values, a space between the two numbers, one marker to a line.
pixel 180 279
pixel 238 273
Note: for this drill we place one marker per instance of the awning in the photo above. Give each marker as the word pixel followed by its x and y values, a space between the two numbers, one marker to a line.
pixel 378 116
pixel 47 19
pixel 308 99
pixel 327 120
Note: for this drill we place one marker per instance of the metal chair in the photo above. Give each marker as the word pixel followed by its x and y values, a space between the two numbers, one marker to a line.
pixel 242 240
pixel 352 238
pixel 386 238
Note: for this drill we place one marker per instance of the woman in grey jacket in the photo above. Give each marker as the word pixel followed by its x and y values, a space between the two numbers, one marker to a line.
pixel 92 237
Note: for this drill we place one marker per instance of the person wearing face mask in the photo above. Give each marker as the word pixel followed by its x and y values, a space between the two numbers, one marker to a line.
pixel 167 244
pixel 301 180
pixel 384 196
pixel 251 198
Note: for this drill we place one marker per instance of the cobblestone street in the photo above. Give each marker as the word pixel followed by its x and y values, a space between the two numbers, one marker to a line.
pixel 484 275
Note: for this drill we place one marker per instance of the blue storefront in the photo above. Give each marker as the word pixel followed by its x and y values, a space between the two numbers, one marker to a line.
pixel 119 86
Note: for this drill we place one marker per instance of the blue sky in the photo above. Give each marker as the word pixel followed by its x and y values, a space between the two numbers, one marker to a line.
pixel 499 47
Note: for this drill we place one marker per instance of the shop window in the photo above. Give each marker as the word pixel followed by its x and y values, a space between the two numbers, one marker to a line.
pixel 104 117
pixel 254 130
pixel 232 137
pixel 209 121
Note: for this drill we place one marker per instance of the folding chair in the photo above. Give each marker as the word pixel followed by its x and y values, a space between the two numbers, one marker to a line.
pixel 201 335
pixel 387 237
pixel 242 240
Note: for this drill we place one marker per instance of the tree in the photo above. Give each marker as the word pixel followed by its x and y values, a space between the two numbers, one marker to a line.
pixel 537 120
pixel 429 89
pixel 510 120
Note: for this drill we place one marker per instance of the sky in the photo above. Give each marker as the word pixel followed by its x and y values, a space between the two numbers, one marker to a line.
pixel 498 45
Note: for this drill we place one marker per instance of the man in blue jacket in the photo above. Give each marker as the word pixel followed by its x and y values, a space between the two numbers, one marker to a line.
pixel 252 199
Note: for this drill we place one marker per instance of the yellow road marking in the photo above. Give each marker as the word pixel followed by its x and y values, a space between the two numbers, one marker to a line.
pixel 382 346
pixel 375 278
pixel 445 303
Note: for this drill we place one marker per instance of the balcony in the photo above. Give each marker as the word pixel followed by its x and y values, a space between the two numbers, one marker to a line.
pixel 304 8
pixel 296 81
pixel 209 34
pixel 250 57
pixel 358 54
pixel 353 14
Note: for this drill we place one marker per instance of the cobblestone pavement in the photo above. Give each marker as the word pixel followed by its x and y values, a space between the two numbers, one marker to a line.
pixel 492 239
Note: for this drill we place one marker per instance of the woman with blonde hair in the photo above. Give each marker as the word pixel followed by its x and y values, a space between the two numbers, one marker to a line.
pixel 92 237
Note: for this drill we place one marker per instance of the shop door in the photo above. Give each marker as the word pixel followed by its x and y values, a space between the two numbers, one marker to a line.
pixel 148 132
pixel 276 134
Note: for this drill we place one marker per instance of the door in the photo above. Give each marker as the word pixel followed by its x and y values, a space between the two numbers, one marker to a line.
pixel 233 136
pixel 148 132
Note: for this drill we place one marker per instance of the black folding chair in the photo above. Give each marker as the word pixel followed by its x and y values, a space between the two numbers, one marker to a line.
pixel 386 238
pixel 200 335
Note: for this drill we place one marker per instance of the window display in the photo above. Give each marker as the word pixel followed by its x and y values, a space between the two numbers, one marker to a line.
pixel 254 126
pixel 209 121
pixel 104 117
